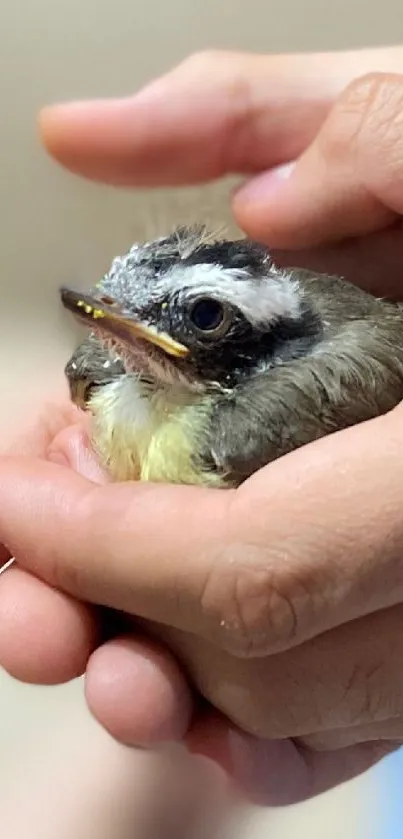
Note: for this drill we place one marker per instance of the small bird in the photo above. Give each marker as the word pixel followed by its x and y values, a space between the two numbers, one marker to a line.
pixel 205 361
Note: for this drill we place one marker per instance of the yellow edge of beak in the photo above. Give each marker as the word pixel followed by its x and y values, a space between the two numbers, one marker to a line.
pixel 138 330
pixel 159 339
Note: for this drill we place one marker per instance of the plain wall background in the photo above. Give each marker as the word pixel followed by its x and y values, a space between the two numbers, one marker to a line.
pixel 55 228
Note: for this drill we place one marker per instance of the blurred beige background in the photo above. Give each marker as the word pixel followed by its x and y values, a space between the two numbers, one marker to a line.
pixel 55 228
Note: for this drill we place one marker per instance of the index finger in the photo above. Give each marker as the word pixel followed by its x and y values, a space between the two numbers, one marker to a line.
pixel 347 183
pixel 310 542
pixel 46 636
pixel 36 440
pixel 216 113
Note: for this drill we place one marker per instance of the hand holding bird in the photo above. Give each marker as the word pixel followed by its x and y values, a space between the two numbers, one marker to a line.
pixel 281 598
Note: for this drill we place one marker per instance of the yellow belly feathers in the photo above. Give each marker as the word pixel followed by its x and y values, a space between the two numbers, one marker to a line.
pixel 149 435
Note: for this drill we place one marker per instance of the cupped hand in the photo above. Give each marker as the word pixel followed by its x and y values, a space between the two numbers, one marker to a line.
pixel 281 600
pixel 241 587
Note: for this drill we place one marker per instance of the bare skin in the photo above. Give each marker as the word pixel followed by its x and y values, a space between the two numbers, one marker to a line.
pixel 293 711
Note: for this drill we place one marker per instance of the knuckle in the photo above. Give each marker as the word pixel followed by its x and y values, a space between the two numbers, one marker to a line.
pixel 365 93
pixel 381 106
pixel 256 606
pixel 228 78
pixel 367 118
pixel 363 696
pixel 69 569
pixel 205 62
pixel 230 73
pixel 64 576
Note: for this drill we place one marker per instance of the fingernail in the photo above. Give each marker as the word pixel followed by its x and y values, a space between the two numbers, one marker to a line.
pixel 264 186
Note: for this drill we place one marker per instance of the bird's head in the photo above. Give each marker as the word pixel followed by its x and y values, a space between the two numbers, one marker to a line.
pixel 183 309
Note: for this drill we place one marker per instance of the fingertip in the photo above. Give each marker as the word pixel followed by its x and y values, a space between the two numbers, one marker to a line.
pixel 46 637
pixel 270 208
pixel 50 127
pixel 70 131
pixel 137 692
pixel 72 447
pixel 263 772
pixel 114 141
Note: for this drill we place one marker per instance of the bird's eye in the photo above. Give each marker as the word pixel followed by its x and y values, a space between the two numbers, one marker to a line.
pixel 208 316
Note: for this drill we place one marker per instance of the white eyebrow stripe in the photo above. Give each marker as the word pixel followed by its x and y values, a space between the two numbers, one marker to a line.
pixel 261 300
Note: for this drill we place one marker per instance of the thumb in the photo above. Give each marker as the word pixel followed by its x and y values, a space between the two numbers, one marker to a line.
pixel 278 772
pixel 348 182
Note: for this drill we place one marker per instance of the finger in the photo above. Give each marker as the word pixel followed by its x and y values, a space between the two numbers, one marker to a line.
pixel 279 772
pixel 137 692
pixel 99 533
pixel 389 732
pixel 46 637
pixel 38 438
pixel 255 571
pixel 348 182
pixel 346 678
pixel 215 113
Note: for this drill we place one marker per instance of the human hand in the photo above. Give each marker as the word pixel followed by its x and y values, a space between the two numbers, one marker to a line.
pixel 223 113
pixel 340 586
pixel 147 550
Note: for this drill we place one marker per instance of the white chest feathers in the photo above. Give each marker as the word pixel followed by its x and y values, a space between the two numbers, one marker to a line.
pixel 141 433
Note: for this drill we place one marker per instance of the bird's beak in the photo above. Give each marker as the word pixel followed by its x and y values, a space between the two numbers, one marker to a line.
pixel 108 314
